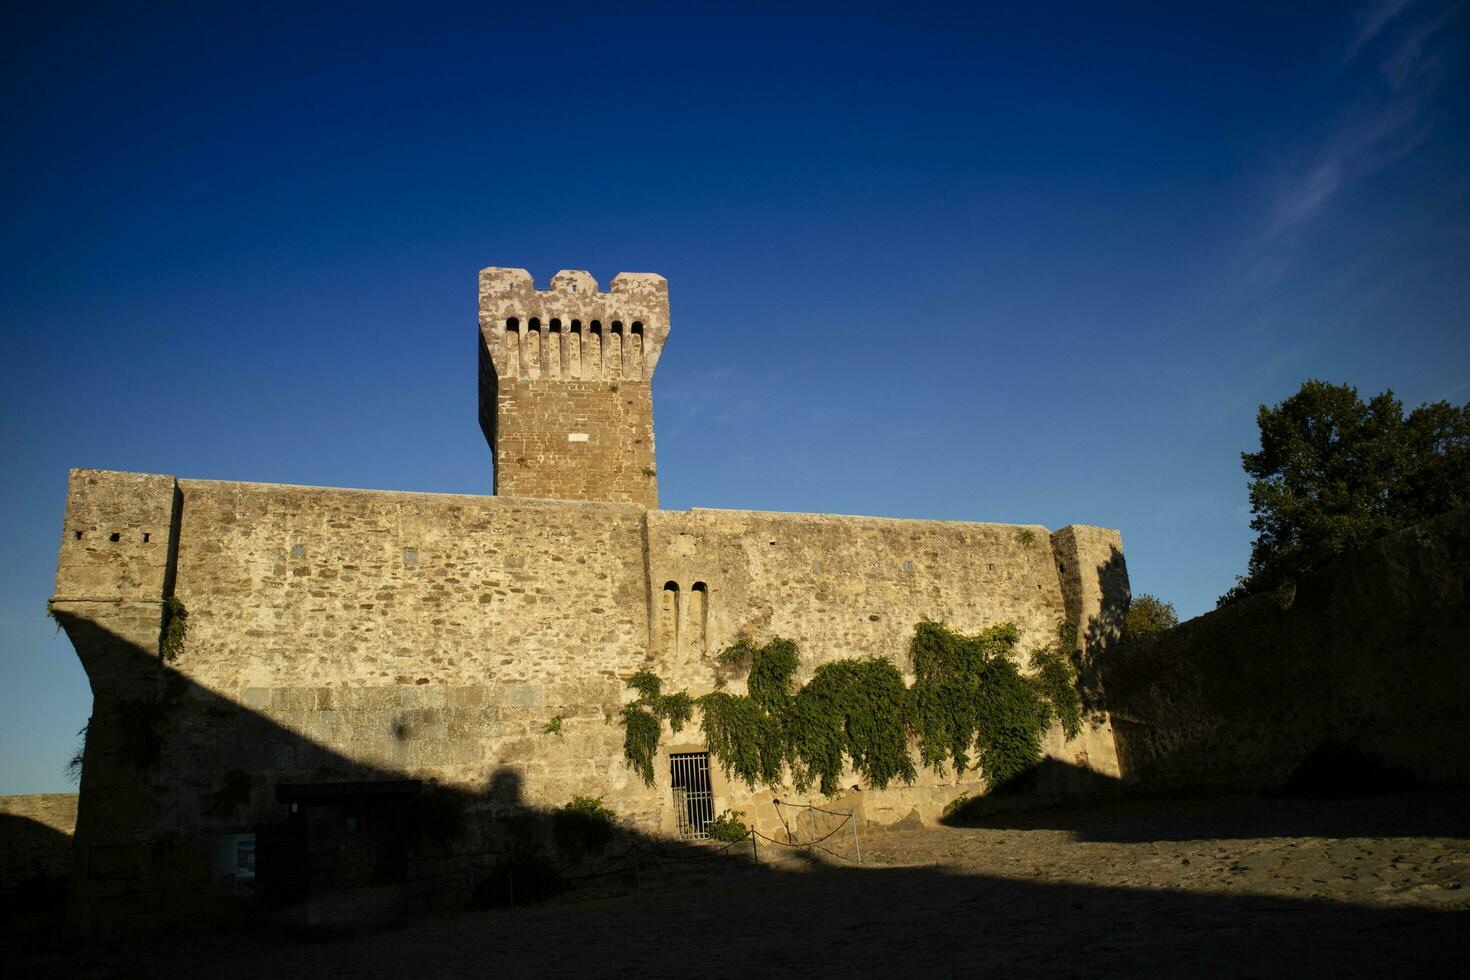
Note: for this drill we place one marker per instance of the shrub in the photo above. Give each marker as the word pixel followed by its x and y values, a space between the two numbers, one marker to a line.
pixel 582 827
pixel 729 827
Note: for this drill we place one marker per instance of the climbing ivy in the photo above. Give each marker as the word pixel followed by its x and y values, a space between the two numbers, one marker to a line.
pixel 852 708
pixel 641 732
pixel 642 718
pixel 1055 678
pixel 772 669
pixel 969 693
pixel 969 707
pixel 748 741
pixel 952 673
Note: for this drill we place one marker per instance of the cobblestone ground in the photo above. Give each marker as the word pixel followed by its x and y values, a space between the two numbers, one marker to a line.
pixel 1236 886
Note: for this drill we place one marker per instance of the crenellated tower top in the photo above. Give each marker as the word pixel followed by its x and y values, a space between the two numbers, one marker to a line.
pixel 565 395
pixel 572 331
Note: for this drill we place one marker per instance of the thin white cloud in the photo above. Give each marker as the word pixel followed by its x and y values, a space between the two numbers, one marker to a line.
pixel 1372 22
pixel 1375 136
pixel 1364 146
pixel 1409 61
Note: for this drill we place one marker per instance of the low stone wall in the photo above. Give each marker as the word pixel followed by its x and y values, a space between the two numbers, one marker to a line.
pixel 35 837
pixel 1371 652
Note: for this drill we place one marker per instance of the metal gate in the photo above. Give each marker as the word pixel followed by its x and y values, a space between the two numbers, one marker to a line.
pixel 694 804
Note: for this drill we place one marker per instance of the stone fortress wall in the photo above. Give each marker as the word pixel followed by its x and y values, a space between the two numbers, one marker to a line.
pixel 1361 666
pixel 436 635
pixel 346 634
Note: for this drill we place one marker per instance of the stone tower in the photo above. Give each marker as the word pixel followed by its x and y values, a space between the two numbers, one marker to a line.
pixel 566 377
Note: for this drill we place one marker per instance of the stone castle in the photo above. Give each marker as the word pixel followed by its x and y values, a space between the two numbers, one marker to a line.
pixel 276 669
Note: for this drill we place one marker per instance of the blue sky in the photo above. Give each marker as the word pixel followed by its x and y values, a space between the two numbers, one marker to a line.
pixel 1032 263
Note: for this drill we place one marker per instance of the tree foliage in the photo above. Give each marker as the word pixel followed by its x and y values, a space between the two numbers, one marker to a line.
pixel 1334 473
pixel 1148 615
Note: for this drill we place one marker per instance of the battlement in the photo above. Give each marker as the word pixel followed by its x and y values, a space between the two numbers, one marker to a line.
pixel 572 331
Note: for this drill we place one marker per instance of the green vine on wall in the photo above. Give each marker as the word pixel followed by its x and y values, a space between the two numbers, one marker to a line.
pixel 969 701
pixel 1054 673
pixel 175 628
pixel 642 720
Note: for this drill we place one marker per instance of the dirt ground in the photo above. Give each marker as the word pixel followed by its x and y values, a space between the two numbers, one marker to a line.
pixel 1234 886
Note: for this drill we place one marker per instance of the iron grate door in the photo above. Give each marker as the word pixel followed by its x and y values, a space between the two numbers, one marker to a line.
pixel 694 803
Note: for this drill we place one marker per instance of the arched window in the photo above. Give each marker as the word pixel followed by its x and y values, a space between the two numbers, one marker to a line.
pixel 668 620
pixel 572 350
pixel 698 619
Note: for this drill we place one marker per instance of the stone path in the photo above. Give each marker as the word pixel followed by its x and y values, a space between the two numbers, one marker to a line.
pixel 1236 887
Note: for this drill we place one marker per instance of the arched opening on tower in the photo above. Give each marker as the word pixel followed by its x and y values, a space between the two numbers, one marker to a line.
pixel 572 344
pixel 555 353
pixel 612 357
pixel 514 352
pixel 592 350
pixel 668 619
pixel 533 349
pixel 635 350
pixel 699 619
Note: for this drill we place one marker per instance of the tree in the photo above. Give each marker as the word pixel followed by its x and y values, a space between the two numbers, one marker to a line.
pixel 1148 615
pixel 1334 473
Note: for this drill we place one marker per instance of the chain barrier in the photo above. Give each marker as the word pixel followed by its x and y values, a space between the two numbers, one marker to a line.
pixel 628 860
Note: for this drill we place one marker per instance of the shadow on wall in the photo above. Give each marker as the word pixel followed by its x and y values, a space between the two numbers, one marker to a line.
pixel 1104 629
pixel 1050 784
pixel 34 860
pixel 176 778
pixel 1138 821
pixel 1366 655
pixel 195 809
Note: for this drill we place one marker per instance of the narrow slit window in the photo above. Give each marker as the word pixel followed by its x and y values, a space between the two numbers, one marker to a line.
pixel 669 619
pixel 699 619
